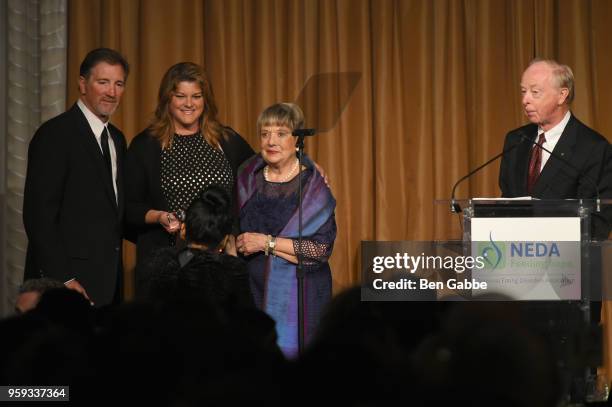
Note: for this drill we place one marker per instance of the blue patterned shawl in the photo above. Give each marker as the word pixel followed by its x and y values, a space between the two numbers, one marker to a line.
pixel 280 299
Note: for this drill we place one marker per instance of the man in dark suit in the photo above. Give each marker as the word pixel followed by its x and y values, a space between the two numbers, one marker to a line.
pixel 74 198
pixel 526 170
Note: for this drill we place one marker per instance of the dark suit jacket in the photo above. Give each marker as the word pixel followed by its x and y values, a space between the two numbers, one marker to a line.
pixel 73 223
pixel 585 149
pixel 143 183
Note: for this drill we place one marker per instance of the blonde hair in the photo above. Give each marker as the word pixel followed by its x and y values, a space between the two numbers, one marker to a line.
pixel 562 75
pixel 162 125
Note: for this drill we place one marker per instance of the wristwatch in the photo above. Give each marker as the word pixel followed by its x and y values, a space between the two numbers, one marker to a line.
pixel 270 245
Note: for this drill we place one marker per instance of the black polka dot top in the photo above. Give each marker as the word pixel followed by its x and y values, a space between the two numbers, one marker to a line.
pixel 189 166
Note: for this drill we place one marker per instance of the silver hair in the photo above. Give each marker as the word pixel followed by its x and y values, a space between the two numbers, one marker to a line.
pixel 562 75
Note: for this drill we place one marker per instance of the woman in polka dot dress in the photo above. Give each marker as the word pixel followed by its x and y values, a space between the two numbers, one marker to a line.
pixel 184 150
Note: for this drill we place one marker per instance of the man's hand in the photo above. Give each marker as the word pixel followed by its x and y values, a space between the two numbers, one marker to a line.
pixel 76 286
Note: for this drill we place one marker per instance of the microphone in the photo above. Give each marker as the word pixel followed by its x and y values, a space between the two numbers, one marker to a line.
pixel 304 132
pixel 569 164
pixel 454 206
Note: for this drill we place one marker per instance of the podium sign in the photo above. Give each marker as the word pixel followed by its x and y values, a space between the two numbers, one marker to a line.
pixel 536 258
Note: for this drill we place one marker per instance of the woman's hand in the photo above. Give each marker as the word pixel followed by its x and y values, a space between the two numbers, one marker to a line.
pixel 250 243
pixel 323 174
pixel 166 219
pixel 230 246
pixel 169 222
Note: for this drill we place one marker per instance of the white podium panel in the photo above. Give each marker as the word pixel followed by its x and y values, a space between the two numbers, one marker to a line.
pixel 537 258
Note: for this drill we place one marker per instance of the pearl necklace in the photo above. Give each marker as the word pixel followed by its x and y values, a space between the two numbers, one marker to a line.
pixel 286 177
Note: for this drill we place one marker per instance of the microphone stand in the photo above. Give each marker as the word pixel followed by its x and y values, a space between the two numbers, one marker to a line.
pixel 300 271
pixel 454 206
pixel 300 134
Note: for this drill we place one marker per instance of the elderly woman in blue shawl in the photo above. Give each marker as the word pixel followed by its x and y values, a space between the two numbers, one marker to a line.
pixel 268 201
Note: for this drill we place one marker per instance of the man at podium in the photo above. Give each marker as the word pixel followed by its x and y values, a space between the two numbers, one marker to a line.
pixel 556 156
pixel 581 158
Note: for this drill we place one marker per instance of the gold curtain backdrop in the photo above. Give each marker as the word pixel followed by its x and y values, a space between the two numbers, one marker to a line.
pixel 438 88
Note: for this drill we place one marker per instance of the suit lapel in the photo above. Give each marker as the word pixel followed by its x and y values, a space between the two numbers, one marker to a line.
pixel 565 149
pixel 92 147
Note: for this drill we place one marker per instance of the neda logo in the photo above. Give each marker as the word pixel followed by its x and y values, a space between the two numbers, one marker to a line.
pixel 493 253
pixel 534 249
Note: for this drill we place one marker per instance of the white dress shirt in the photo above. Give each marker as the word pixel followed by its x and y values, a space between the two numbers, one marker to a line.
pixel 552 137
pixel 97 127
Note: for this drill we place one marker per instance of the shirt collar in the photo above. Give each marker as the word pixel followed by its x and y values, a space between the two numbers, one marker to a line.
pixel 97 125
pixel 554 134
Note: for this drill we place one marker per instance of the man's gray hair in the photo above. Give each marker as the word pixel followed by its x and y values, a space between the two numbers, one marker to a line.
pixel 562 75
